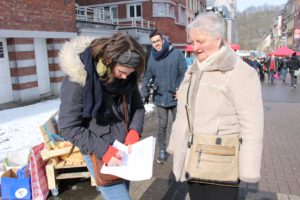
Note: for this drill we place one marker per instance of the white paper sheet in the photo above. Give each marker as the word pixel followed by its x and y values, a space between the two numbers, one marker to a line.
pixel 136 166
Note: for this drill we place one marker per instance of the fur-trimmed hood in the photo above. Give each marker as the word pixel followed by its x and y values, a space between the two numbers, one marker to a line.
pixel 69 58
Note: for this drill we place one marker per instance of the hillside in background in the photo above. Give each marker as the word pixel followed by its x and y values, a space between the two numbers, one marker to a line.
pixel 254 23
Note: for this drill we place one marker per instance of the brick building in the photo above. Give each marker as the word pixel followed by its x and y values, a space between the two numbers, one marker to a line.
pixel 31 34
pixel 169 17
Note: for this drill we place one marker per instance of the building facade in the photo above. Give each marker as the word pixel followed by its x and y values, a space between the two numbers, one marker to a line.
pixel 285 30
pixel 143 16
pixel 31 34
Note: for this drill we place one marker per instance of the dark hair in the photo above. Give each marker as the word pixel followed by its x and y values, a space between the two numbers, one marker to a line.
pixel 154 33
pixel 110 49
pixel 294 54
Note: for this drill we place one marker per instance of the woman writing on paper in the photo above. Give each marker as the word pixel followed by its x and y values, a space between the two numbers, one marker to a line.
pixel 98 95
pixel 224 95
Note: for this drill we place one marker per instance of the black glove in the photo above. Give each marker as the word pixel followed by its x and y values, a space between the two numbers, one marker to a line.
pixel 245 187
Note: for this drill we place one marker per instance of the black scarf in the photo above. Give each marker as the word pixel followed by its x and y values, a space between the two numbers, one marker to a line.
pixel 94 91
pixel 158 55
pixel 121 86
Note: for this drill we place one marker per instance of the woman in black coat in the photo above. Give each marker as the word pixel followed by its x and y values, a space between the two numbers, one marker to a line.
pixel 102 80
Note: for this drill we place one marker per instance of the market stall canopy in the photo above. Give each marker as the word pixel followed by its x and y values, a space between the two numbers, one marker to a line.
pixel 283 51
pixel 235 47
pixel 189 48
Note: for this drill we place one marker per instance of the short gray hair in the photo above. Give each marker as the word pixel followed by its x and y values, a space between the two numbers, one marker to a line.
pixel 209 22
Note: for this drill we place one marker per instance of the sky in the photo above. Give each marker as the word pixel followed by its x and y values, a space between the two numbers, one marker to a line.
pixel 19 128
pixel 243 4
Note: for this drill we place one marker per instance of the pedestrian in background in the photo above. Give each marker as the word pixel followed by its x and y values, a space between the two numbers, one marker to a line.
pixel 98 94
pixel 285 64
pixel 262 69
pixel 254 63
pixel 166 66
pixel 271 67
pixel 224 96
pixel 294 65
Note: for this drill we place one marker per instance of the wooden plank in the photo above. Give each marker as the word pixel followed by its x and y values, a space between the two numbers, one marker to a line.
pixel 68 166
pixel 46 138
pixel 50 172
pixel 53 161
pixel 61 164
pixel 73 175
pixel 68 163
pixel 46 154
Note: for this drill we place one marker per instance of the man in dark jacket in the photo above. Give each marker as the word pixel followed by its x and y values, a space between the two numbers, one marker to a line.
pixel 294 66
pixel 166 67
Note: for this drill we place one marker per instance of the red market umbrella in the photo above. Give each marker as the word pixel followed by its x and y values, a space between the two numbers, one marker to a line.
pixel 282 51
pixel 235 47
pixel 189 48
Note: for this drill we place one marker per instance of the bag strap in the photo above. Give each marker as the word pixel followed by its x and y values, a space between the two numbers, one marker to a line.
pixel 125 110
pixel 95 161
pixel 188 106
pixel 187 109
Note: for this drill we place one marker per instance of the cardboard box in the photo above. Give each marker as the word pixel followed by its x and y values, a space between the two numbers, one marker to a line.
pixel 13 187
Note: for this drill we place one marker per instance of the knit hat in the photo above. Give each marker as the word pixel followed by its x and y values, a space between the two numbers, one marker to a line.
pixel 129 59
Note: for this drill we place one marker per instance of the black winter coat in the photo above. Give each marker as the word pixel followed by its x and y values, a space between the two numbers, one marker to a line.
pixel 94 135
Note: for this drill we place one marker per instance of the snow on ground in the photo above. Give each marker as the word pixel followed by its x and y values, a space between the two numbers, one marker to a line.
pixel 19 127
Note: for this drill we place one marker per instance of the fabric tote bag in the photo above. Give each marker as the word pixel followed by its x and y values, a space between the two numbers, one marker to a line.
pixel 39 184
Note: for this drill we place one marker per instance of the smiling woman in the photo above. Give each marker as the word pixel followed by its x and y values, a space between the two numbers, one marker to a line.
pixel 213 102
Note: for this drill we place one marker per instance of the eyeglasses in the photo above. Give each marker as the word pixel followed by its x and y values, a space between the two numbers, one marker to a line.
pixel 156 41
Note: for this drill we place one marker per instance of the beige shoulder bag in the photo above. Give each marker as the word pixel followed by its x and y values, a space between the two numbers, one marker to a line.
pixel 211 158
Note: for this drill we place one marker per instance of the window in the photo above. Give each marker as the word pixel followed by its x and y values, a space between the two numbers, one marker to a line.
pixel 181 15
pixel 1 50
pixel 114 10
pixel 108 12
pixel 134 10
pixel 163 10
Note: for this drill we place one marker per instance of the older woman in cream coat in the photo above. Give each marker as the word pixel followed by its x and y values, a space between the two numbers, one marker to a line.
pixel 225 95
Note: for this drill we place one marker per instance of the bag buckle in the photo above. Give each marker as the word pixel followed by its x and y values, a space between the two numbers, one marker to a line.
pixel 190 141
pixel 218 141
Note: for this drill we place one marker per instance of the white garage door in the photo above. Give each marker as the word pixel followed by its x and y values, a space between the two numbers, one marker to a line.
pixel 6 93
pixel 41 58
